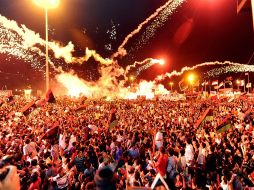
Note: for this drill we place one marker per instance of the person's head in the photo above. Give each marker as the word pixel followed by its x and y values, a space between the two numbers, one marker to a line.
pixel 34 162
pixel 34 177
pixel 162 150
pixel 27 141
pixel 105 180
pixel 189 140
pixel 171 151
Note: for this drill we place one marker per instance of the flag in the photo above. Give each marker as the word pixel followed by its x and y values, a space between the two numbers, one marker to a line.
pixel 229 82
pixel 205 83
pixel 248 85
pixel 182 86
pixel 247 113
pixel 112 122
pixel 207 116
pixel 221 84
pixel 52 132
pixel 196 83
pixel 216 87
pixel 215 82
pixel 1 102
pixel 50 97
pixel 229 78
pixel 80 108
pixel 10 98
pixel 40 103
pixel 28 108
pixel 225 124
pixel 242 83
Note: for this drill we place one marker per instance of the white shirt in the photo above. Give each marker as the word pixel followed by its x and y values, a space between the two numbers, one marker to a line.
pixel 189 153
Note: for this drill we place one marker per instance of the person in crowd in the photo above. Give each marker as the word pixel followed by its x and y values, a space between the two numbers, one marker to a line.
pixel 151 137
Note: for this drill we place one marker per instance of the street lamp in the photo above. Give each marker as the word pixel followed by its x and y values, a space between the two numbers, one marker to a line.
pixel 191 79
pixel 132 78
pixel 47 4
pixel 238 83
pixel 171 84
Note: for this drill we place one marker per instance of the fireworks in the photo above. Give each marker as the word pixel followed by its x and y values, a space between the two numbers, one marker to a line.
pixel 229 69
pixel 25 45
pixel 184 69
pixel 148 63
pixel 158 22
pixel 121 51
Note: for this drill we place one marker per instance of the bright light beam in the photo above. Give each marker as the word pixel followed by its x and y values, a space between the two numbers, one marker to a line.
pixel 47 4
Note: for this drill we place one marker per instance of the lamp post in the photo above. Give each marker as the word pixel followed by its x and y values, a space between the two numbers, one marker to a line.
pixel 191 79
pixel 238 83
pixel 47 4
pixel 171 84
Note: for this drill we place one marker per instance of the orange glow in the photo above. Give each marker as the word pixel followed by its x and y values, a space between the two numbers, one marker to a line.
pixel 191 78
pixel 49 4
pixel 162 62
pixel 132 78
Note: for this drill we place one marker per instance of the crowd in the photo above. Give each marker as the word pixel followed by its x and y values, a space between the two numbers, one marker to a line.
pixel 151 138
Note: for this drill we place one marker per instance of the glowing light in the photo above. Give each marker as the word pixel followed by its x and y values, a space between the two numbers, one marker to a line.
pixel 132 78
pixel 161 62
pixel 191 78
pixel 238 81
pixel 48 4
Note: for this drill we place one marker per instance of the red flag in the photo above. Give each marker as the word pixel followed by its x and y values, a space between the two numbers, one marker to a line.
pixel 28 108
pixel 199 121
pixel 50 97
pixel 52 132
pixel 112 122
pixel 1 102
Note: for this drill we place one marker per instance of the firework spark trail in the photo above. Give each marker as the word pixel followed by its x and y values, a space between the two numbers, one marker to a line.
pixel 157 23
pixel 147 61
pixel 144 67
pixel 184 69
pixel 13 44
pixel 121 51
pixel 229 69
pixel 21 42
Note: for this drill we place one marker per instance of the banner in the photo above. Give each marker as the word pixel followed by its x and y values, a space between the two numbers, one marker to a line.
pixel 112 122
pixel 225 124
pixel 215 82
pixel 6 93
pixel 248 85
pixel 50 97
pixel 28 108
pixel 203 117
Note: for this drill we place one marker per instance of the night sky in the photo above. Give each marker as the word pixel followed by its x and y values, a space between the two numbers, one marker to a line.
pixel 199 31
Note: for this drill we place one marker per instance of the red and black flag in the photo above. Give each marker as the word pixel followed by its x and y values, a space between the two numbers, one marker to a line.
pixel 50 97
pixel 1 102
pixel 80 108
pixel 112 122
pixel 52 132
pixel 207 116
pixel 225 124
pixel 28 108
